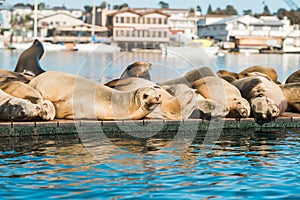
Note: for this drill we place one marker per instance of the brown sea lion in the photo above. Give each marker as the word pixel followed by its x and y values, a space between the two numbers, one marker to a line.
pixel 191 76
pixel 269 71
pixel 291 92
pixel 17 109
pixel 75 97
pixel 29 60
pixel 6 75
pixel 294 77
pixel 222 91
pixel 25 91
pixel 266 98
pixel 136 69
pixel 227 75
pixel 176 107
pixel 204 108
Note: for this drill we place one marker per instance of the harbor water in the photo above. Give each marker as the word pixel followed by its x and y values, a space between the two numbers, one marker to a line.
pixel 234 164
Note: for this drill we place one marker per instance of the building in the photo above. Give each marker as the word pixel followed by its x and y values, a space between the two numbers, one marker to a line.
pixel 131 29
pixel 245 26
pixel 5 16
pixel 64 27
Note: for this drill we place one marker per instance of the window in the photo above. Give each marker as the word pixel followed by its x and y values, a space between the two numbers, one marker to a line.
pixel 127 20
pixel 159 20
pixel 165 34
pixel 121 33
pixel 154 34
pixel 148 20
pixel 154 20
pixel 159 34
pixel 133 20
pixel 122 20
pixel 117 19
pixel 165 21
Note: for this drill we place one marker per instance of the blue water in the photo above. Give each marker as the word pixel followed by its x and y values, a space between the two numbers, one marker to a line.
pixel 253 164
pixel 257 164
pixel 105 66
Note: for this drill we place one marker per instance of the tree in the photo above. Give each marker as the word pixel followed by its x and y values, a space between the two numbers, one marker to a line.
pixel 163 4
pixel 209 10
pixel 41 6
pixel 247 12
pixel 118 7
pixel 198 9
pixel 104 4
pixel 191 12
pixel 230 10
pixel 88 9
pixel 266 10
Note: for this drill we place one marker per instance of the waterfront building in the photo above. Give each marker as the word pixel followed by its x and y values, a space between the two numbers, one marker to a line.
pixel 131 29
pixel 64 27
pixel 5 16
pixel 245 26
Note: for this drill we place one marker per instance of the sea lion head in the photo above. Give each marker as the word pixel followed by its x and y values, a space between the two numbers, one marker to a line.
pixel 17 109
pixel 148 97
pixel 47 110
pixel 138 69
pixel 211 109
pixel 264 110
pixel 239 108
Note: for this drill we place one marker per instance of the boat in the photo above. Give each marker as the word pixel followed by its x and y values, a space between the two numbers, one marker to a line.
pixel 48 46
pixel 201 45
pixel 97 47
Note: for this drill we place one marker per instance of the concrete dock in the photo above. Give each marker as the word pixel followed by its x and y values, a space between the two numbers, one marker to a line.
pixel 8 129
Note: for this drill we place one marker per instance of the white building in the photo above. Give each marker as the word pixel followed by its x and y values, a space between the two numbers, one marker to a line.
pixel 5 15
pixel 62 26
pixel 245 26
pixel 131 29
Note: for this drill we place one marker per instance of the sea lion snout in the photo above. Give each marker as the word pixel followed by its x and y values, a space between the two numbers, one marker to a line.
pixel 264 110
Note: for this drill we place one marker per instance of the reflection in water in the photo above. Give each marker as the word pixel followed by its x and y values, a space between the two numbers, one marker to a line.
pixel 239 164
pixel 105 66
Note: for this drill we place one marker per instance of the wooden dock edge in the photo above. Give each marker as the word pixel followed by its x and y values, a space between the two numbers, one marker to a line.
pixel 9 129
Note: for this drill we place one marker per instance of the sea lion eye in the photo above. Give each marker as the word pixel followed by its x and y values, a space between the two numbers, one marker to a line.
pixel 260 95
pixel 145 96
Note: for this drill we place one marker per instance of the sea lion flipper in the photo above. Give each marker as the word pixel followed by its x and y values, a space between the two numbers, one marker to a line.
pixel 29 60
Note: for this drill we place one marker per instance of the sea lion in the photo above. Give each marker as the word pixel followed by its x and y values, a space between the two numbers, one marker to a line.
pixel 204 108
pixel 136 69
pixel 294 77
pixel 227 75
pixel 269 71
pixel 190 76
pixel 29 60
pixel 220 90
pixel 176 107
pixel 6 75
pixel 25 91
pixel 265 97
pixel 76 97
pixel 17 109
pixel 291 93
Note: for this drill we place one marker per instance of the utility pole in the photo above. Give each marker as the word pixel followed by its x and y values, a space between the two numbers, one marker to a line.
pixel 35 18
pixel 93 21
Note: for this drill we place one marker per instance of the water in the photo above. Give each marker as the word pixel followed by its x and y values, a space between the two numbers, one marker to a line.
pixel 260 165
pixel 105 66
pixel 254 164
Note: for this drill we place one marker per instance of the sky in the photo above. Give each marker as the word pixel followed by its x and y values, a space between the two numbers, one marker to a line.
pixel 255 5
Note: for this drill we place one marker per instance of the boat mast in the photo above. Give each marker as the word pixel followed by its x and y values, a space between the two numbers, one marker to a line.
pixel 93 21
pixel 35 18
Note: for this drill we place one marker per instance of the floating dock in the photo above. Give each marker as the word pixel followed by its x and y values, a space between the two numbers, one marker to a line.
pixel 11 129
